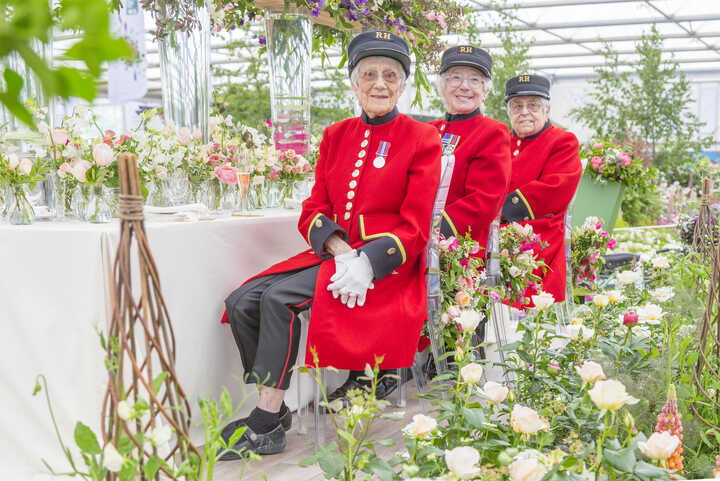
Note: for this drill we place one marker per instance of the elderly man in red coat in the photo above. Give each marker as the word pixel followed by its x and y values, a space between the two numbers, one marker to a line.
pixel 546 170
pixel 367 222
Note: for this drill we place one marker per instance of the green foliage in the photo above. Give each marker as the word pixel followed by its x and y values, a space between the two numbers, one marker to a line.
pixel 649 105
pixel 25 23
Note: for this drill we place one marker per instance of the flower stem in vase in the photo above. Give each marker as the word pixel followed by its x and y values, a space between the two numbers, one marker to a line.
pixel 19 210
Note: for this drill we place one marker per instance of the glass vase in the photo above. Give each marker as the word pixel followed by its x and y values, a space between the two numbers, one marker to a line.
pixel 175 190
pixel 185 75
pixel 97 209
pixel 78 201
pixel 18 209
pixel 289 44
pixel 258 193
pixel 60 197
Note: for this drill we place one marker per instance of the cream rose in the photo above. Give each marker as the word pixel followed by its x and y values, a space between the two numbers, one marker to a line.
pixel 495 391
pixel 103 154
pixel 420 427
pixel 112 460
pixel 610 394
pixel 590 371
pixel 468 320
pixel 659 445
pixel 462 462
pixel 527 469
pixel 579 332
pixel 25 166
pixel 660 262
pixel 543 300
pixel 526 420
pixel 472 373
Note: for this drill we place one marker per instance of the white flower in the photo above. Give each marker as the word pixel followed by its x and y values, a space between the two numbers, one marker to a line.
pixel 13 161
pixel 610 394
pixel 659 445
pixel 25 166
pixel 650 314
pixel 161 434
pixel 615 296
pixel 356 410
pixel 112 460
pixel 462 462
pixel 627 277
pixel 660 262
pixel 472 373
pixel 124 410
pixel 469 320
pixel 420 427
pixel 526 420
pixel 601 300
pixel 663 294
pixel 590 371
pixel 514 271
pixel 577 331
pixel 496 392
pixel 527 469
pixel 543 300
pixel 103 154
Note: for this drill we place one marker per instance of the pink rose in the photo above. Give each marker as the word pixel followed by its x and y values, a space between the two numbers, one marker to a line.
pixel 596 162
pixel 288 168
pixel 78 169
pixel 475 249
pixel 103 154
pixel 504 253
pixel 227 174
pixel 184 135
pixel 307 167
pixel 625 159
pixel 495 296
pixel 296 169
pixel 274 172
pixel 25 166
pixel 598 145
pixel 59 137
pixel 64 169
pixel 454 244
pixel 453 312
pixel 161 172
pixel 611 244
pixel 462 298
pixel 13 161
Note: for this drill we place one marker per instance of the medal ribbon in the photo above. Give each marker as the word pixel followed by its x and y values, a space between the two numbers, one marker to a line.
pixel 383 149
pixel 449 143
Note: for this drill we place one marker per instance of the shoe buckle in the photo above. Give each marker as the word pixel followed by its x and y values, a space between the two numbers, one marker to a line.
pixel 253 436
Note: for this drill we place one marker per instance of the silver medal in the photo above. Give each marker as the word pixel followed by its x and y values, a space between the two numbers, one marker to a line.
pixel 379 162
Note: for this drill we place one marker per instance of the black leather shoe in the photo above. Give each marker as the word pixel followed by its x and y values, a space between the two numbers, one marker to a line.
pixel 227 432
pixel 385 386
pixel 269 443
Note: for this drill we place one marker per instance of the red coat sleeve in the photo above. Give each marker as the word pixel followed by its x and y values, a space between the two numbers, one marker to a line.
pixel 486 184
pixel 552 192
pixel 315 224
pixel 409 239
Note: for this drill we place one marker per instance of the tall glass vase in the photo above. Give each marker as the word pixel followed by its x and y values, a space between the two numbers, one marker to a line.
pixel 18 209
pixel 185 75
pixel 289 42
pixel 97 209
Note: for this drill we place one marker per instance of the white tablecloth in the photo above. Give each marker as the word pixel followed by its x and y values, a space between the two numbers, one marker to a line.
pixel 53 299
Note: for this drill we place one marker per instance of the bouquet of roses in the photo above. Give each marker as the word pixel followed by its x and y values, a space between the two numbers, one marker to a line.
pixel 289 166
pixel 589 243
pixel 519 264
pixel 606 161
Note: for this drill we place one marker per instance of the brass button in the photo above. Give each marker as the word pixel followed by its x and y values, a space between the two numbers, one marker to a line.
pixel 358 163
pixel 442 127
pixel 516 152
pixel 518 142
pixel 361 154
pixel 391 251
pixel 351 194
pixel 364 143
pixel 515 200
pixel 353 184
pixel 367 133
pixel 318 223
pixel 346 216
pixel 355 173
pixel 348 206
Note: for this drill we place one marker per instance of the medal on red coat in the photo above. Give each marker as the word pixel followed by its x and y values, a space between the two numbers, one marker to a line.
pixel 449 143
pixel 382 152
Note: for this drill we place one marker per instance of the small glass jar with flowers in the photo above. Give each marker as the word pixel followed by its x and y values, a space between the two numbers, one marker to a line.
pixel 20 172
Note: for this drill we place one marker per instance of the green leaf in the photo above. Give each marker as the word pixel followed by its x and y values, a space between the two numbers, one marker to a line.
pixel 623 459
pixel 11 97
pixel 151 467
pixel 158 381
pixel 396 416
pixel 381 469
pixel 647 470
pixel 125 444
pixel 385 442
pixel 86 440
pixel 37 387
pixel 226 403
pixel 369 373
pixel 332 464
pixel 236 435
pixel 347 436
pixel 476 417
pixel 127 473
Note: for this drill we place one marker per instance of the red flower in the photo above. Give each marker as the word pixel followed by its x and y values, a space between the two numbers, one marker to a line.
pixel 630 318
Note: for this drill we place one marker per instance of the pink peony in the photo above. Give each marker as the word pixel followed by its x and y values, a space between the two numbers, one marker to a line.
pixel 630 318
pixel 462 298
pixel 596 162
pixel 598 145
pixel 504 253
pixel 494 295
pixel 227 174
pixel 603 234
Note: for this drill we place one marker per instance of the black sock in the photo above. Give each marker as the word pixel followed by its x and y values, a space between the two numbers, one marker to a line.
pixel 261 421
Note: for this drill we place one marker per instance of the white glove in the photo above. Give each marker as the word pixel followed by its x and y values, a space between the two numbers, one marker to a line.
pixel 352 283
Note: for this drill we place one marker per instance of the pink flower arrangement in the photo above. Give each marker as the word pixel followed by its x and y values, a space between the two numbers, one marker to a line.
pixel 608 161
pixel 588 243
pixel 227 174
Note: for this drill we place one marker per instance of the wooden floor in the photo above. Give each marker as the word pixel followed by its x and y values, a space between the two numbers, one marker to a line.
pixel 284 466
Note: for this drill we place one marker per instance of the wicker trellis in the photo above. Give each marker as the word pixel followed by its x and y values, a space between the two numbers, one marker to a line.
pixel 708 363
pixel 141 343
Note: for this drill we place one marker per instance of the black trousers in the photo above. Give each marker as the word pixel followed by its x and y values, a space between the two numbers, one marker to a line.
pixel 263 316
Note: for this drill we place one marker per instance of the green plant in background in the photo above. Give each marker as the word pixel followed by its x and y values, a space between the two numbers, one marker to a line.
pixel 25 23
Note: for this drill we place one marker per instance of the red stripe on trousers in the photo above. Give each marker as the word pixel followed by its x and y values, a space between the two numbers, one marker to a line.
pixel 287 358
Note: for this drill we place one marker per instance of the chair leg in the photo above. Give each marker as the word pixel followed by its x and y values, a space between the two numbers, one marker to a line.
pixel 402 395
pixel 319 419
pixel 302 410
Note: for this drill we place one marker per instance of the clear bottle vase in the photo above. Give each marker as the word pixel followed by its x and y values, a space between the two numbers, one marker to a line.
pixel 258 195
pixel 18 208
pixel 59 200
pixel 78 202
pixel 97 209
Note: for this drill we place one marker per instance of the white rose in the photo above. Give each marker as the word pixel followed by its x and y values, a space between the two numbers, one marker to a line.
pixel 660 262
pixel 161 434
pixel 514 271
pixel 496 392
pixel 610 395
pixel 13 161
pixel 25 166
pixel 601 300
pixel 469 320
pixel 627 277
pixel 579 332
pixel 543 300
pixel 659 445
pixel 462 462
pixel 527 469
pixel 650 314
pixel 112 460
pixel 590 371
pixel 663 294
pixel 124 410
pixel 472 373
pixel 420 427
pixel 526 420
pixel 103 154
pixel 614 296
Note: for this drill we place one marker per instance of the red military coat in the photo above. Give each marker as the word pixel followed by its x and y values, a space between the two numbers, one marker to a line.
pixel 375 184
pixel 480 176
pixel 546 170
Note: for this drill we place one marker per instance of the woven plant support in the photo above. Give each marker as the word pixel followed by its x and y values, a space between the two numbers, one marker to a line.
pixel 708 363
pixel 141 343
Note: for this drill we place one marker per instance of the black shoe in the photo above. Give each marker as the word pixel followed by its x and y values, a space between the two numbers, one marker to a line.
pixel 285 422
pixel 385 386
pixel 269 443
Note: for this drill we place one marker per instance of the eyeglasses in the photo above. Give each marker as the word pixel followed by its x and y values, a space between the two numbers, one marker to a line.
pixel 455 80
pixel 372 76
pixel 534 106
